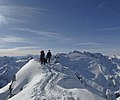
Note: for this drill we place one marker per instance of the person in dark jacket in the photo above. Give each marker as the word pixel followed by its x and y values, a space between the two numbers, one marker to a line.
pixel 48 57
pixel 42 57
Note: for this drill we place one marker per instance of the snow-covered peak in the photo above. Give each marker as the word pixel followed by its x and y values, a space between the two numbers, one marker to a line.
pixel 116 56
pixel 87 54
pixel 49 82
pixel 72 76
pixel 92 66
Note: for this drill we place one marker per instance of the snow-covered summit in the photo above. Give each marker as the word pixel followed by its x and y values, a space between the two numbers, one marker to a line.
pixel 72 76
pixel 47 82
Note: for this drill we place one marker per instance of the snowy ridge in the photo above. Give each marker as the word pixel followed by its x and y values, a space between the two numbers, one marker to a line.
pixel 9 66
pixel 94 67
pixel 49 83
pixel 73 76
pixel 116 56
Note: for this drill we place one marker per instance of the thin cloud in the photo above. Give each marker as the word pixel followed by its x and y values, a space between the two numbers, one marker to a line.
pixel 11 39
pixel 49 35
pixel 66 40
pixel 24 48
pixel 3 20
pixel 102 29
pixel 110 29
pixel 88 44
pixel 19 51
pixel 40 33
pixel 18 12
pixel 19 48
pixel 21 10
pixel 16 20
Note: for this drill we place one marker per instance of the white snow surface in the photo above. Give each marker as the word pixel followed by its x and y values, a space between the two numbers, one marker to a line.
pixel 74 76
pixel 45 82
pixel 9 66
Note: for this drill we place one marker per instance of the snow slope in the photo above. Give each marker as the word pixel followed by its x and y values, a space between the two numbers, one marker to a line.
pixel 9 66
pixel 73 76
pixel 94 67
pixel 49 82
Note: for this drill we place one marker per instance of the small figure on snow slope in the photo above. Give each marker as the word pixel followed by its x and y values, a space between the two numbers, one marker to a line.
pixel 48 57
pixel 42 57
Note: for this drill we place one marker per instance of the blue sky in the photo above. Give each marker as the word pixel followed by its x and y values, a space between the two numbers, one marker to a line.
pixel 27 26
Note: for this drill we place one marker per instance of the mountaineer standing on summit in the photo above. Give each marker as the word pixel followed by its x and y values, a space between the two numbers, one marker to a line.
pixel 42 57
pixel 48 57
